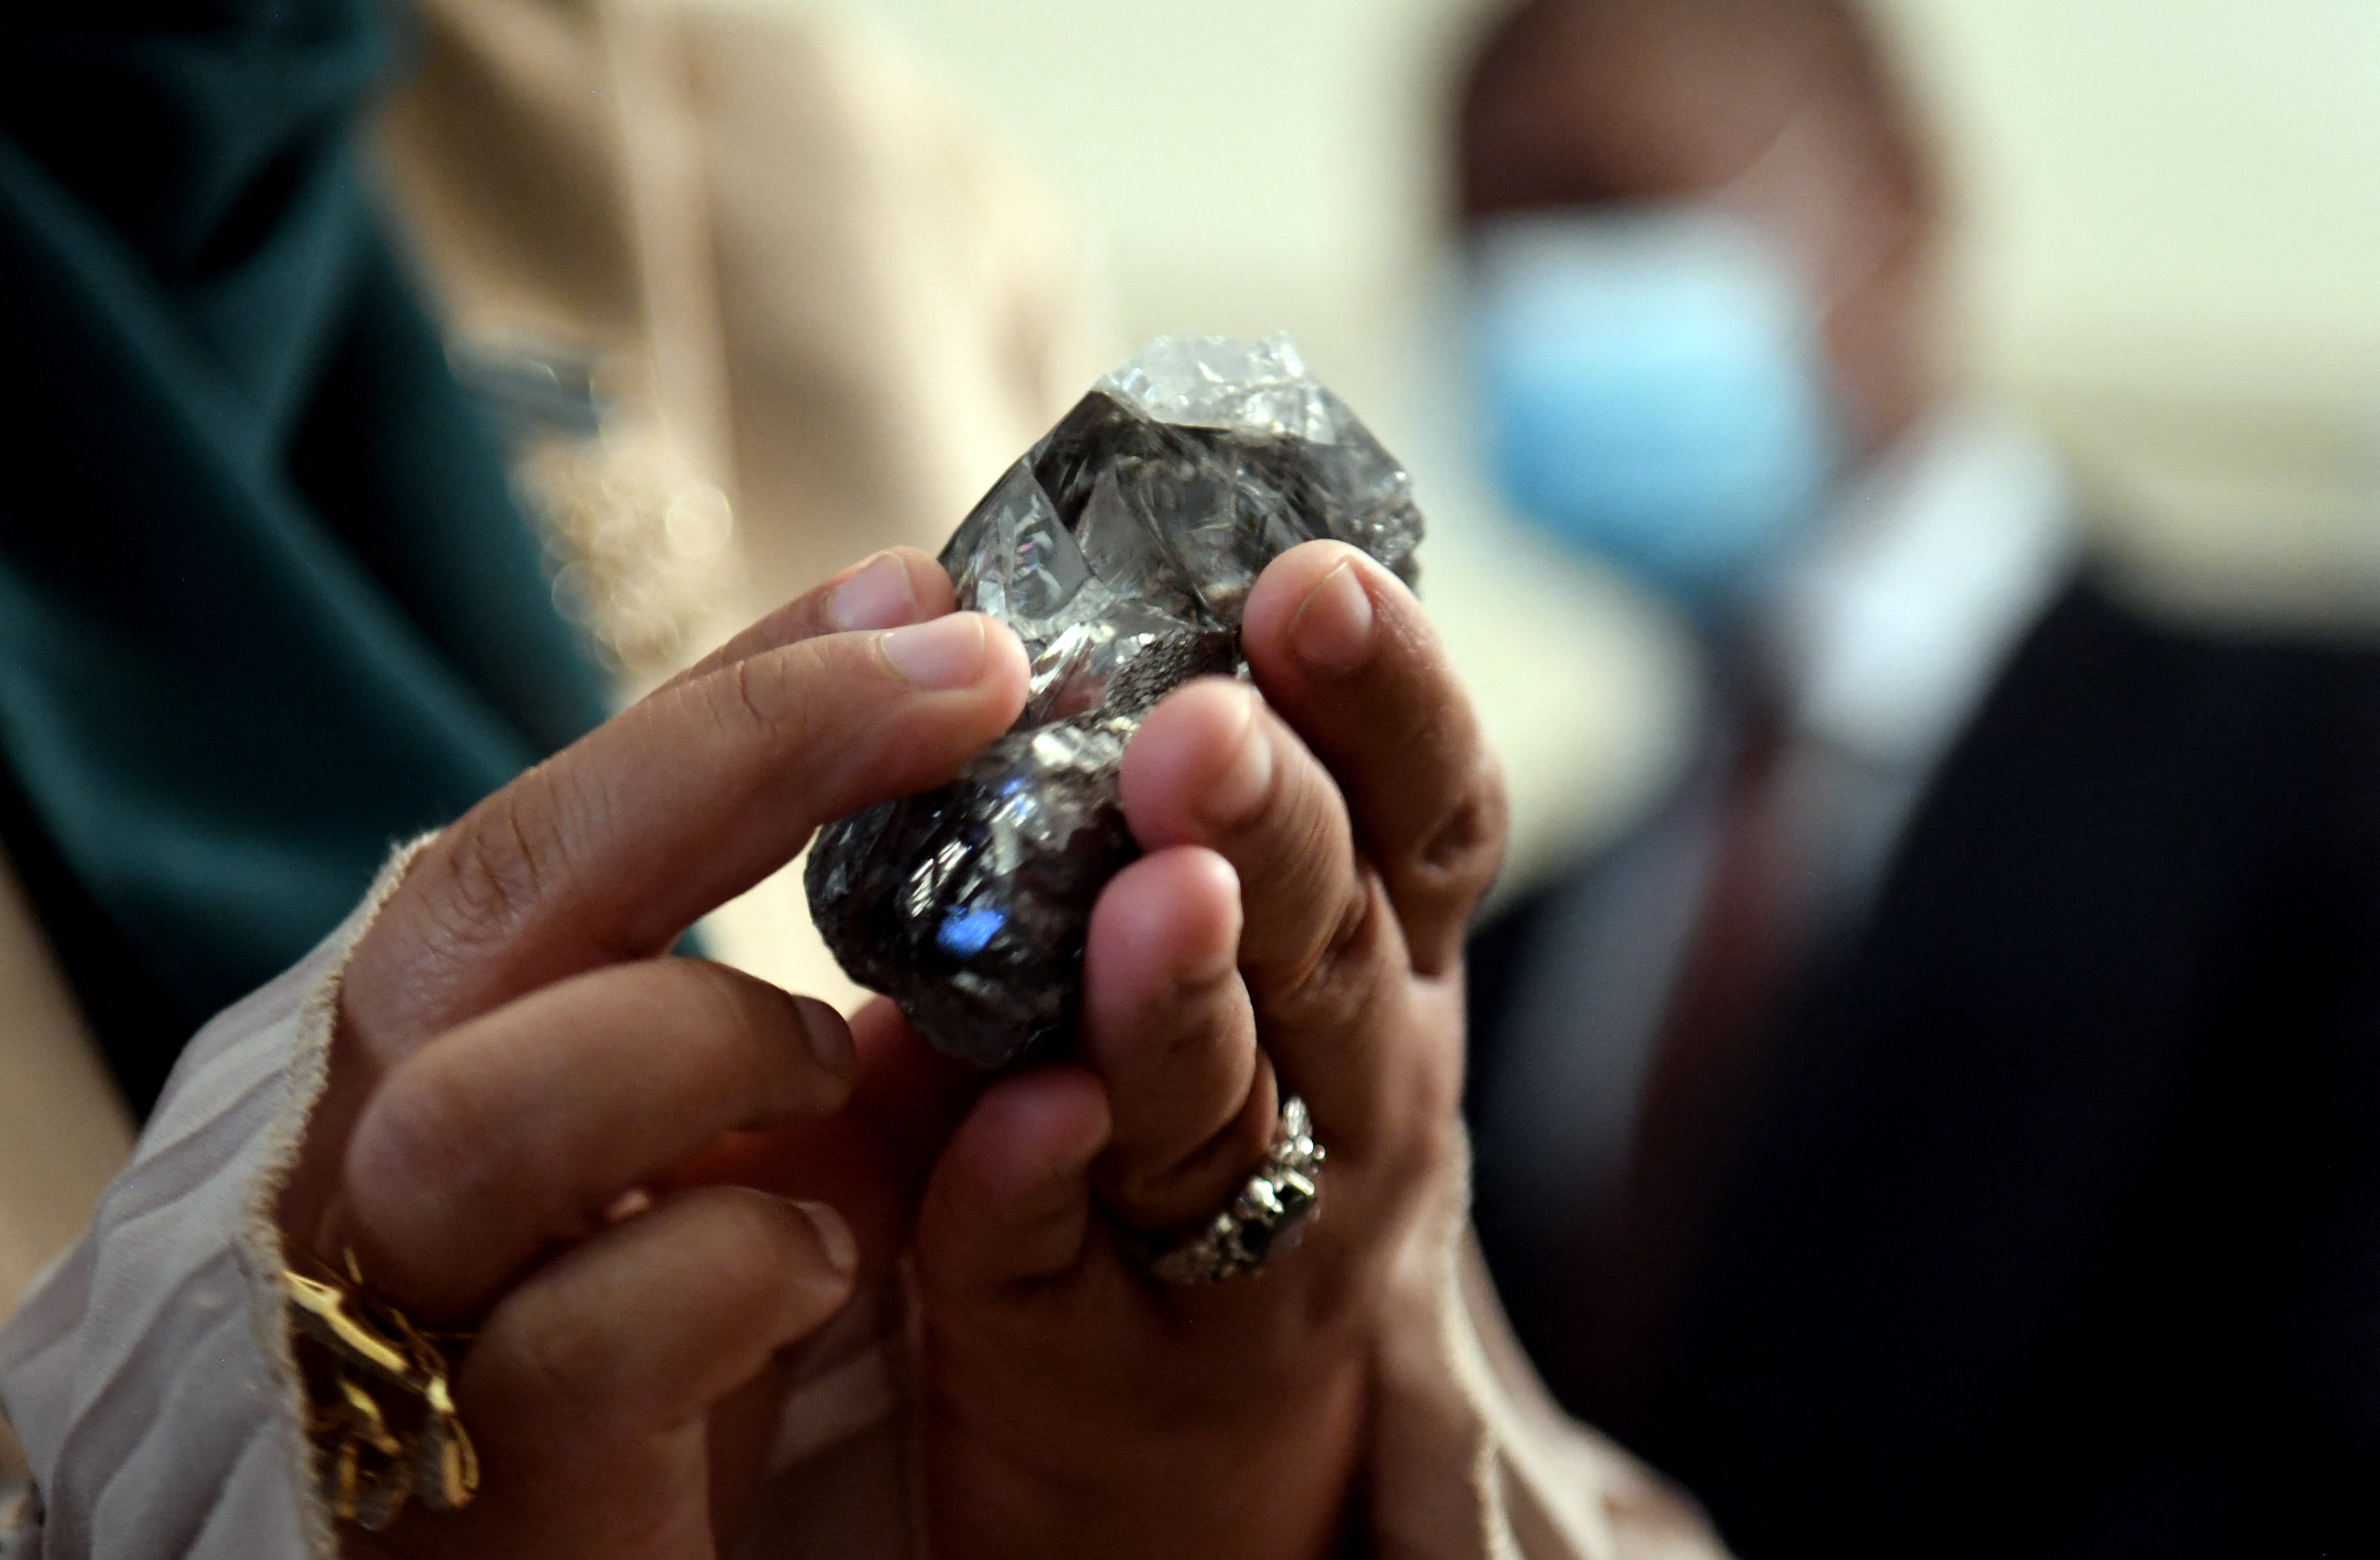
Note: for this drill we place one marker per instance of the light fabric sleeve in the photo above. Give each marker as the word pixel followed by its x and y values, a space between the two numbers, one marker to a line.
pixel 1471 1459
pixel 149 1373
pixel 150 1376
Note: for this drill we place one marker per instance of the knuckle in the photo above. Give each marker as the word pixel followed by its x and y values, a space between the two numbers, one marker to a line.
pixel 738 705
pixel 1187 1187
pixel 740 1264
pixel 497 866
pixel 1330 989
pixel 424 1142
pixel 1351 954
pixel 753 1029
pixel 1459 854
pixel 725 710
pixel 561 1356
pixel 756 1258
pixel 1247 1137
pixel 774 696
pixel 1309 860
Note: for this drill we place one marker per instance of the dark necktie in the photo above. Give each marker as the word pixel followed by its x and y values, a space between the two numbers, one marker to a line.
pixel 1737 963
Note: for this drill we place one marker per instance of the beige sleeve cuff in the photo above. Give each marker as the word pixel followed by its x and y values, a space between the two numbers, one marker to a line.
pixel 1471 1458
pixel 149 1372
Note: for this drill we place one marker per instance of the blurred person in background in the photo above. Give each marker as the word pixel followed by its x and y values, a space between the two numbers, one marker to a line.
pixel 1949 1123
pixel 712 1270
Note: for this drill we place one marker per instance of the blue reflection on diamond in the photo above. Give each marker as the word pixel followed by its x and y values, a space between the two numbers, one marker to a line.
pixel 965 931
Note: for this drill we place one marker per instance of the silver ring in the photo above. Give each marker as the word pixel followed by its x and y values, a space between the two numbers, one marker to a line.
pixel 1268 1216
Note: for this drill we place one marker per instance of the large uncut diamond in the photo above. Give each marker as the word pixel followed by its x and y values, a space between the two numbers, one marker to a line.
pixel 1121 550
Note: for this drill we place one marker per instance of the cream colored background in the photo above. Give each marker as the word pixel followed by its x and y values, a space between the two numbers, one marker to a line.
pixel 2174 198
pixel 2174 256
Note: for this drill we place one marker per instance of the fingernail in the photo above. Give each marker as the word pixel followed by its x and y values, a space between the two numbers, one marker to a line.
pixel 834 1237
pixel 1203 970
pixel 827 1036
pixel 945 653
pixel 1242 789
pixel 879 595
pixel 1333 631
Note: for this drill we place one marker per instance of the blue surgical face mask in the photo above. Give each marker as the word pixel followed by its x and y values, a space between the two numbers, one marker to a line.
pixel 1653 391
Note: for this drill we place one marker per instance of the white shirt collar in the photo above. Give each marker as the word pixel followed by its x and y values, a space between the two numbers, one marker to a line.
pixel 1894 621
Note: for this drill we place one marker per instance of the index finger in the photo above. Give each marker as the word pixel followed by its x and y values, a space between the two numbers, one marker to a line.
pixel 609 849
pixel 900 585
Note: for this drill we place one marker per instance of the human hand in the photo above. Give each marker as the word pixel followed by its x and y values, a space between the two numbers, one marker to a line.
pixel 1295 926
pixel 516 1056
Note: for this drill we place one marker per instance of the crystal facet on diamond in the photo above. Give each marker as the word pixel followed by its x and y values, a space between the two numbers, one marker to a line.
pixel 1120 549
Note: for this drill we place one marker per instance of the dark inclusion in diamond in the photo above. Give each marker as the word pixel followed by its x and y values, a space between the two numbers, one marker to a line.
pixel 1121 550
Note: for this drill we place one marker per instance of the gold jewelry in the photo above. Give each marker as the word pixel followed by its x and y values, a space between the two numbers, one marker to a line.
pixel 379 1413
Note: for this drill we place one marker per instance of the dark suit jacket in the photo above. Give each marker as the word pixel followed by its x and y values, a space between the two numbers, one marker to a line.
pixel 2057 1228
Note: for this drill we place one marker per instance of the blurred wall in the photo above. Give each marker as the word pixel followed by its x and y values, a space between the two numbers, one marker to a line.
pixel 2172 251
pixel 2192 180
pixel 2172 255
pixel 2182 188
pixel 1250 164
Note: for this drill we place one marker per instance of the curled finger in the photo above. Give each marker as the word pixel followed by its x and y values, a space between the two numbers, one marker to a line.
pixel 588 1389
pixel 1320 951
pixel 1168 1026
pixel 487 1148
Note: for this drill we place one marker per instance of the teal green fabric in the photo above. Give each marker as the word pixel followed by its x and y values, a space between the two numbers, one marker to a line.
pixel 265 603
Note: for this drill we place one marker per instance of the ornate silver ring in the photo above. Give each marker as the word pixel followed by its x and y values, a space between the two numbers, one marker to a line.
pixel 1267 1216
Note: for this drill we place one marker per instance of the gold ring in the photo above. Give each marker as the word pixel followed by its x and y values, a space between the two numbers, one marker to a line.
pixel 380 1408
